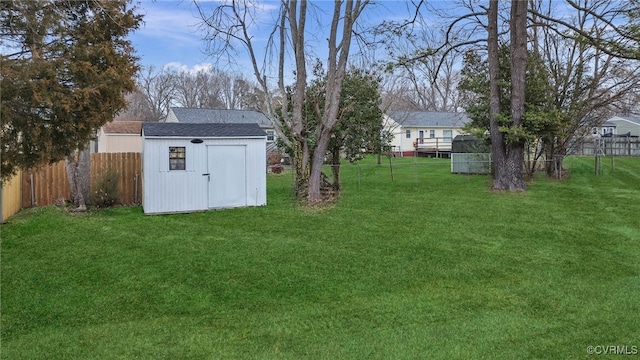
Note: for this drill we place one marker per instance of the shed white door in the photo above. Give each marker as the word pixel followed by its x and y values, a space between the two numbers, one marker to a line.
pixel 227 166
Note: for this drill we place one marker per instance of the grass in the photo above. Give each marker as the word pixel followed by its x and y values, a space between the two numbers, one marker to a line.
pixel 431 265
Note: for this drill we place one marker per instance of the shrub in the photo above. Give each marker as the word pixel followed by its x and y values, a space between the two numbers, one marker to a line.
pixel 274 157
pixel 106 189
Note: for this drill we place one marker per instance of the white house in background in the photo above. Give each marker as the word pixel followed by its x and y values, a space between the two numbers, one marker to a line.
pixel 195 167
pixel 427 133
pixel 222 116
pixel 118 136
pixel 619 125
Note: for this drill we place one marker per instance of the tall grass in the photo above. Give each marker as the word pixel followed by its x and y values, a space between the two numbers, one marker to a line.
pixel 429 265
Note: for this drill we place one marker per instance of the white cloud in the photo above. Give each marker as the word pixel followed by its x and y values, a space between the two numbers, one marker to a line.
pixel 179 67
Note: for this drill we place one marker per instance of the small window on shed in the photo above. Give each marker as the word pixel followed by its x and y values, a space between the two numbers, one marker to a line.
pixel 177 158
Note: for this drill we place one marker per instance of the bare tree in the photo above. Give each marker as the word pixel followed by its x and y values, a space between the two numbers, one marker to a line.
pixel 619 34
pixel 159 89
pixel 590 60
pixel 228 24
pixel 237 92
pixel 589 82
pixel 429 82
pixel 195 90
pixel 506 132
pixel 138 108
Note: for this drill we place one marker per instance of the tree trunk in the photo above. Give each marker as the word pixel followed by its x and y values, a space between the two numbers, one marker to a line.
pixel 549 155
pixel 518 45
pixel 78 167
pixel 498 156
pixel 317 161
pixel 508 157
pixel 301 162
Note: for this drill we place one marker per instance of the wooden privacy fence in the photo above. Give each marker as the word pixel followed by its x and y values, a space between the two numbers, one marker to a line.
pixel 11 197
pixel 48 185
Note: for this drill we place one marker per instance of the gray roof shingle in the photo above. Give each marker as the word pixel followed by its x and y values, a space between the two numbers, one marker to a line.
pixel 633 119
pixel 429 118
pixel 202 130
pixel 221 116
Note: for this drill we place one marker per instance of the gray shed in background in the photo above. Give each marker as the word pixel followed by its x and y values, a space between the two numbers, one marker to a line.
pixel 195 167
pixel 470 155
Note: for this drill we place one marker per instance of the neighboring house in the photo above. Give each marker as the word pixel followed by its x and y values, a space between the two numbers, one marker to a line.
pixel 427 133
pixel 222 116
pixel 606 129
pixel 195 167
pixel 619 125
pixel 118 136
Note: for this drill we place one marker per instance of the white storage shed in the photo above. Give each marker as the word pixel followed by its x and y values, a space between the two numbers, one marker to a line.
pixel 196 167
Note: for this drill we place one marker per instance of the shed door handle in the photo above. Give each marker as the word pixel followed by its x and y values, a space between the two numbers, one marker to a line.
pixel 207 174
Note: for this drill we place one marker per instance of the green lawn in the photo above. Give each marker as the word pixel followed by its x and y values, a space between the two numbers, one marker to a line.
pixel 431 265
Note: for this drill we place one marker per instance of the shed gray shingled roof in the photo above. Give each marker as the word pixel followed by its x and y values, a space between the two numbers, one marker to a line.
pixel 429 118
pixel 202 130
pixel 220 116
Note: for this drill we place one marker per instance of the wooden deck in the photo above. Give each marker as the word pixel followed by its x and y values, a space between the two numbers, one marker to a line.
pixel 433 147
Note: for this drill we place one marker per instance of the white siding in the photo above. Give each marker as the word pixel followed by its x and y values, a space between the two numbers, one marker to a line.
pixel 169 191
pixel 624 126
pixel 115 143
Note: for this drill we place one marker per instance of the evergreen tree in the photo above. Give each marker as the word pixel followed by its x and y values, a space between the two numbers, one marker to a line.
pixel 66 66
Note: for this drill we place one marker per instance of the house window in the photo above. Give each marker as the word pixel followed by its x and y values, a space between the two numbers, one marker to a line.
pixel 271 135
pixel 421 134
pixel 594 131
pixel 432 133
pixel 177 158
pixel 447 135
pixel 407 134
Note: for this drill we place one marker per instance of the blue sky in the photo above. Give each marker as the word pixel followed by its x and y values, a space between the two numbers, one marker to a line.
pixel 168 35
pixel 170 32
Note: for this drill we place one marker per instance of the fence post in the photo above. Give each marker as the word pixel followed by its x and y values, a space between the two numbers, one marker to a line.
pixel 135 189
pixel 613 165
pixel 33 195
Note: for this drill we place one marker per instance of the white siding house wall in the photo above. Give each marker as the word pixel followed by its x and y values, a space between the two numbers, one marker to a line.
pixel 624 126
pixel 172 191
pixel 114 143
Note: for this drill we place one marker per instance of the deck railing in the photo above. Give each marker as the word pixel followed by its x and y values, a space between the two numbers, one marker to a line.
pixel 433 144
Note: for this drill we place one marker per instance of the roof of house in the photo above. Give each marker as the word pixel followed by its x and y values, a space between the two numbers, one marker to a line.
pixel 202 130
pixel 220 116
pixel 429 118
pixel 123 127
pixel 632 119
